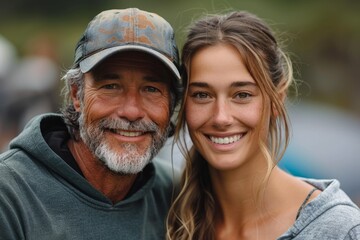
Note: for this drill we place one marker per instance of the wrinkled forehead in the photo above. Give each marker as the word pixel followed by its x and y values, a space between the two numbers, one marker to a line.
pixel 135 60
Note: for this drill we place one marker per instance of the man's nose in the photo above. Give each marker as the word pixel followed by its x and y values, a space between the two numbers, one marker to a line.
pixel 131 107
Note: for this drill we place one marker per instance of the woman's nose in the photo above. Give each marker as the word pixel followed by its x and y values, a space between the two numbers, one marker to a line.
pixel 222 114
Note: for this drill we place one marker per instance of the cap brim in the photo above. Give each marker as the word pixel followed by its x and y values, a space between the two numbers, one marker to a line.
pixel 88 63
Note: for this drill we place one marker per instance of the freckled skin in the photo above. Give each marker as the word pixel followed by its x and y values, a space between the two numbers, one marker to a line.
pixel 223 101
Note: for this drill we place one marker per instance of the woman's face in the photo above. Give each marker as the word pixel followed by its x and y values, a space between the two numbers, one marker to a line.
pixel 223 108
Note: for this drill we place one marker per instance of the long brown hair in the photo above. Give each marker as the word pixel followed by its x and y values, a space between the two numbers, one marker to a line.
pixel 193 211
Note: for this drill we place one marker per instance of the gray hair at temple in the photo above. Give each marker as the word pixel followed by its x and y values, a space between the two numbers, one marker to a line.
pixel 134 30
pixel 74 77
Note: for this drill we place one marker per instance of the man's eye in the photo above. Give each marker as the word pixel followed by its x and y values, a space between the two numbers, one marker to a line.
pixel 151 89
pixel 110 86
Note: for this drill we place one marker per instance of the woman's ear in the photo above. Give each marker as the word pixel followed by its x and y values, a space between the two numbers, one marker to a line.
pixel 74 97
pixel 282 97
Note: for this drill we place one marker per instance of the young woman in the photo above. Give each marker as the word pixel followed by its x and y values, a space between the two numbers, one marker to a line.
pixel 235 80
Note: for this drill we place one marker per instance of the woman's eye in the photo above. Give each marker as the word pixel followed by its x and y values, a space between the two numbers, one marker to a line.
pixel 243 95
pixel 199 95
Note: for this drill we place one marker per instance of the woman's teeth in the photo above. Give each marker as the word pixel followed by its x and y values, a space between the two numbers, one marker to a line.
pixel 225 140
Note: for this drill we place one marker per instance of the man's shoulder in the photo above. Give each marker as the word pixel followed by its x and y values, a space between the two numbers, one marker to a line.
pixel 10 163
pixel 11 158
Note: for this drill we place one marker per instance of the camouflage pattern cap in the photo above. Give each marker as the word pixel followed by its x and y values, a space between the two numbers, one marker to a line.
pixel 118 30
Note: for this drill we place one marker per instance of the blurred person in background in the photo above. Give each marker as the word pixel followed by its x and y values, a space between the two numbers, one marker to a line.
pixel 31 88
pixel 91 172
pixel 236 78
pixel 8 60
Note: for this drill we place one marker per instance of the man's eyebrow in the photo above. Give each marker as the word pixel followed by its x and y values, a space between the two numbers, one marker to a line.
pixel 106 76
pixel 109 75
pixel 158 79
pixel 153 79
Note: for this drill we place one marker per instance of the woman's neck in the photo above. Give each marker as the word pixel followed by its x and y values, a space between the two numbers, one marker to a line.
pixel 249 206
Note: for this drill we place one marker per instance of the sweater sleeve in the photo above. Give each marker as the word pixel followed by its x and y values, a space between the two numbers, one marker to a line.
pixel 10 206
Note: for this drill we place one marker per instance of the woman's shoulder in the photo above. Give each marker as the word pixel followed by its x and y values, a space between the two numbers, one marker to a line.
pixel 332 221
pixel 331 214
pixel 332 202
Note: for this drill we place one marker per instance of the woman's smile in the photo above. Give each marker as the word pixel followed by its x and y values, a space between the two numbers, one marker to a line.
pixel 226 140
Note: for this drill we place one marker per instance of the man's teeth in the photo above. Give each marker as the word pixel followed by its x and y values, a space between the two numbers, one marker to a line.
pixel 128 134
pixel 225 140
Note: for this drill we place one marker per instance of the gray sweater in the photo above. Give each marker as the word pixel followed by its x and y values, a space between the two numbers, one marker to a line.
pixel 331 215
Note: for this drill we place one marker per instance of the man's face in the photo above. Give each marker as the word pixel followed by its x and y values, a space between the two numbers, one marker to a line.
pixel 125 111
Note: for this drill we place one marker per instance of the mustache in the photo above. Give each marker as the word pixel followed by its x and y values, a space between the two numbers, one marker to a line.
pixel 139 125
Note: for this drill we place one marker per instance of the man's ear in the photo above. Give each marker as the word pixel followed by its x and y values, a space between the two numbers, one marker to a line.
pixel 74 97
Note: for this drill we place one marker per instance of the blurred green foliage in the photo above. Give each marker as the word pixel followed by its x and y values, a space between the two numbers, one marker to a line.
pixel 322 37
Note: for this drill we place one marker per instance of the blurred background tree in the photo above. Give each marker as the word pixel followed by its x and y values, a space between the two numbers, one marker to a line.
pixel 322 36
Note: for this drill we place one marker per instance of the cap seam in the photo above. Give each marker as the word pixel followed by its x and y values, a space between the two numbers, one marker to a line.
pixel 86 40
pixel 135 26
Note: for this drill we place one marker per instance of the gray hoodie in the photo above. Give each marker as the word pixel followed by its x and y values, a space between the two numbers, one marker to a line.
pixel 331 215
pixel 42 197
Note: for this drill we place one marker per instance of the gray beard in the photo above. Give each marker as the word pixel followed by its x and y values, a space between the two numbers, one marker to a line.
pixel 130 160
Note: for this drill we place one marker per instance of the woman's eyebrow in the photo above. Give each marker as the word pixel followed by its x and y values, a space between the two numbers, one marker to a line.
pixel 233 84
pixel 199 84
pixel 243 84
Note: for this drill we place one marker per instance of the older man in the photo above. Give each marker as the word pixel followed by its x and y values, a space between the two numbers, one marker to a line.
pixel 88 173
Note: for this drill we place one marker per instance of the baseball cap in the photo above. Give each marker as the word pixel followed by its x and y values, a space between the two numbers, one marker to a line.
pixel 117 30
